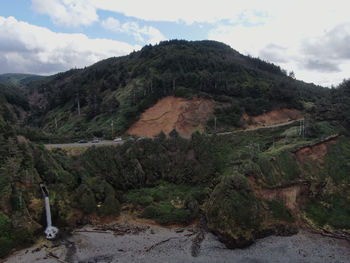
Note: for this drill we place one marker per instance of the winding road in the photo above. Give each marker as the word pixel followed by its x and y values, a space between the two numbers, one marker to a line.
pixel 106 143
pixel 88 144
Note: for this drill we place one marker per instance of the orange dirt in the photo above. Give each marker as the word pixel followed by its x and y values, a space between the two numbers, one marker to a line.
pixel 186 116
pixel 292 196
pixel 315 153
pixel 272 117
pixel 289 195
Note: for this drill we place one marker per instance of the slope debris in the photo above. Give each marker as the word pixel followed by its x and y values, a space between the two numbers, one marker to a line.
pixel 186 116
pixel 272 117
pixel 316 152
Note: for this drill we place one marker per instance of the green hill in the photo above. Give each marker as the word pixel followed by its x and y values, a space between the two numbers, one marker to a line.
pixel 17 80
pixel 119 89
pixel 247 184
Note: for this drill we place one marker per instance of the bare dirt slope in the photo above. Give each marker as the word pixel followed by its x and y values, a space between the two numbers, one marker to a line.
pixel 315 153
pixel 186 116
pixel 272 117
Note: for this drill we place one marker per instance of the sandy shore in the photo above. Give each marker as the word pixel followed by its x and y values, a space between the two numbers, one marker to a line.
pixel 88 247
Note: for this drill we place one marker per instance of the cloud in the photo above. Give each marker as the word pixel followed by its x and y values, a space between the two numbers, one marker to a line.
pixel 333 44
pixel 321 66
pixel 274 53
pixel 67 12
pixel 328 51
pixel 311 32
pixel 27 48
pixel 184 10
pixel 145 34
pixel 307 37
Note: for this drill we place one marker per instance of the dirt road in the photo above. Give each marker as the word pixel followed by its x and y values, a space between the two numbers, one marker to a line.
pixel 88 144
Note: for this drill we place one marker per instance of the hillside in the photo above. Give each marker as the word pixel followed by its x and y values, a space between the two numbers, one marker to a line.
pixel 84 102
pixel 17 80
pixel 233 168
pixel 170 113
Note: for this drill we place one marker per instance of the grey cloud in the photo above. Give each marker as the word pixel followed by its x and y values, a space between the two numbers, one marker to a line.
pixel 274 53
pixel 334 44
pixel 327 52
pixel 321 66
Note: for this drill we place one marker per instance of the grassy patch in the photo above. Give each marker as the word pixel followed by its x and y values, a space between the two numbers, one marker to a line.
pixel 334 210
pixel 338 161
pixel 168 203
pixel 280 211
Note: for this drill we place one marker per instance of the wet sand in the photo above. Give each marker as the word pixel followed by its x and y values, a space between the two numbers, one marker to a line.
pixel 88 247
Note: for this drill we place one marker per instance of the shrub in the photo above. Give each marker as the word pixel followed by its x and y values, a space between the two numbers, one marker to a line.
pixel 280 211
pixel 233 211
pixel 111 206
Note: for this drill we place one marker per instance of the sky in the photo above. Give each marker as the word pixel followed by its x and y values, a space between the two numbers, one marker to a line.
pixel 309 37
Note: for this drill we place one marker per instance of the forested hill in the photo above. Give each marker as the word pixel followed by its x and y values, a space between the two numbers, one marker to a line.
pixel 121 88
pixel 17 80
pixel 247 184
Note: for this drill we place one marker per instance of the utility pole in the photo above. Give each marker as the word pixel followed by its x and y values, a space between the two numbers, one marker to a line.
pixel 112 129
pixel 215 123
pixel 302 128
pixel 56 122
pixel 78 103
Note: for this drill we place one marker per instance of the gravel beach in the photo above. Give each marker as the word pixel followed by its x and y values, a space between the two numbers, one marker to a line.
pixel 181 245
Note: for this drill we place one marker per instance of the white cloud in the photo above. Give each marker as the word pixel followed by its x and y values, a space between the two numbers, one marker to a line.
pixel 295 27
pixel 145 34
pixel 184 10
pixel 27 48
pixel 250 26
pixel 67 12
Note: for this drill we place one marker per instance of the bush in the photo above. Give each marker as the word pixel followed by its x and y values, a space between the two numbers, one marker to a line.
pixel 233 211
pixel 6 245
pixel 280 211
pixel 111 206
pixel 333 210
pixel 150 212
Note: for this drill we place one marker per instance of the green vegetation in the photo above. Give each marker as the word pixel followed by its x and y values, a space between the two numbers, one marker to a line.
pixel 233 211
pixel 120 89
pixel 12 236
pixel 338 161
pixel 168 203
pixel 17 80
pixel 170 179
pixel 280 211
pixel 333 210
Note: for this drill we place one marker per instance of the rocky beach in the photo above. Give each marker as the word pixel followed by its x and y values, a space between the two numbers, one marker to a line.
pixel 121 242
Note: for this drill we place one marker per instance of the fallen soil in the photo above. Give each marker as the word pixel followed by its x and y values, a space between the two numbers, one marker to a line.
pixel 186 116
pixel 271 118
pixel 314 153
pixel 288 195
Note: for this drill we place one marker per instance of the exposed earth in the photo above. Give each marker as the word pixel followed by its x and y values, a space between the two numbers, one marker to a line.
pixel 186 116
pixel 272 117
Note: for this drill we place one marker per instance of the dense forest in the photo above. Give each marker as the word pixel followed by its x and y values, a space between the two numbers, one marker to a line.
pixel 223 178
pixel 83 102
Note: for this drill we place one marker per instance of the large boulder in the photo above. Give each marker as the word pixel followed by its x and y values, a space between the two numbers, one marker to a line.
pixel 233 212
